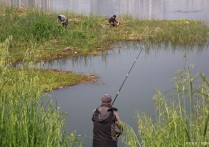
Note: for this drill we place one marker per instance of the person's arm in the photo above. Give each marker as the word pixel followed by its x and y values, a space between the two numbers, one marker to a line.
pixel 117 116
pixel 118 121
pixel 118 125
pixel 116 21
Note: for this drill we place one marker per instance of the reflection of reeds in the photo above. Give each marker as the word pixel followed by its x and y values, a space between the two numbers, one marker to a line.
pixel 180 120
pixel 89 34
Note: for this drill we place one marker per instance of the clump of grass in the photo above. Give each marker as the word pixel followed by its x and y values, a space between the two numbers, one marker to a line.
pixel 89 34
pixel 182 118
pixel 24 119
pixel 53 79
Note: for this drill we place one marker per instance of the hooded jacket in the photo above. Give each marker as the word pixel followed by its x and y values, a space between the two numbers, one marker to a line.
pixel 104 134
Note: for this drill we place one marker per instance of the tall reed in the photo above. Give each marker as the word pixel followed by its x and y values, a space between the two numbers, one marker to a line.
pixel 181 119
pixel 24 119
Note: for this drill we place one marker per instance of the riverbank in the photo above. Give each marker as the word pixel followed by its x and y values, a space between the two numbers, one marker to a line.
pixel 39 34
pixel 49 79
pixel 25 120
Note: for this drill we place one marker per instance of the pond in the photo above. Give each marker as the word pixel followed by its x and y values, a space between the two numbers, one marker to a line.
pixel 154 68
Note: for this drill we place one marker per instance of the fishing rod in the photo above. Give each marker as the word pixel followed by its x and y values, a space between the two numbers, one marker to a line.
pixel 127 76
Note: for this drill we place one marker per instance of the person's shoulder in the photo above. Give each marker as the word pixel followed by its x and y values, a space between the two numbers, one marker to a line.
pixel 115 109
pixel 63 16
pixel 96 109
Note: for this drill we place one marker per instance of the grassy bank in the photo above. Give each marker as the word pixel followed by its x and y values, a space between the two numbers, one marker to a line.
pixel 39 33
pixel 24 119
pixel 181 119
pixel 50 79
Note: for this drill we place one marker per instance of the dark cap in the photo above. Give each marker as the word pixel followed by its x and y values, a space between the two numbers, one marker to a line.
pixel 114 16
pixel 106 98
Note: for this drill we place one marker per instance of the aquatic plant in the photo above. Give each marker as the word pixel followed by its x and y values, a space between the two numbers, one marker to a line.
pixel 181 119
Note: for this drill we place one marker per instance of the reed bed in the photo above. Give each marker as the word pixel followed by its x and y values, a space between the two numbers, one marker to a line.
pixel 181 119
pixel 88 34
pixel 24 119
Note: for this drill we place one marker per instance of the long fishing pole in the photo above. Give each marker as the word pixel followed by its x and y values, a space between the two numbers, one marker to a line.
pixel 127 76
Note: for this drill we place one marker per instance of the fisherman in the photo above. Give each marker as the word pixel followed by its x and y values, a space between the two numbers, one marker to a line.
pixel 107 125
pixel 112 21
pixel 63 20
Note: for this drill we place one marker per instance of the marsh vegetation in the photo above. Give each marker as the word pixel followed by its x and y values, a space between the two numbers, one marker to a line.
pixel 38 33
pixel 25 120
pixel 34 35
pixel 181 118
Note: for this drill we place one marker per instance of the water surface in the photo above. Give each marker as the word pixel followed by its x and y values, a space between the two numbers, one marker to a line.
pixel 144 9
pixel 153 69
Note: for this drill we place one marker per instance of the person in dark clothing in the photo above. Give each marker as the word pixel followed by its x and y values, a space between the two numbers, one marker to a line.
pixel 107 124
pixel 112 21
pixel 63 20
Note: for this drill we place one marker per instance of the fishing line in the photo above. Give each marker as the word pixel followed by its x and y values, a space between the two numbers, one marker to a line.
pixel 126 76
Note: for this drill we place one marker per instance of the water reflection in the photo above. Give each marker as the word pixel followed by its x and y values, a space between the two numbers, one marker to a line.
pixel 144 9
pixel 85 64
pixel 43 4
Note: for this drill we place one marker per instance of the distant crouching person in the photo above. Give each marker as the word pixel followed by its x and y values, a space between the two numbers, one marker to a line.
pixel 63 20
pixel 112 21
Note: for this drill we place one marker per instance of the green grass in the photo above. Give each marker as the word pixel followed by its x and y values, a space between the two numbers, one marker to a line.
pixel 51 79
pixel 39 32
pixel 182 116
pixel 25 120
